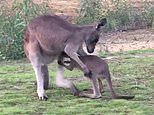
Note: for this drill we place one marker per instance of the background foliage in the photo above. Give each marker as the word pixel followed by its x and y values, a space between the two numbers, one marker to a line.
pixel 121 15
pixel 13 22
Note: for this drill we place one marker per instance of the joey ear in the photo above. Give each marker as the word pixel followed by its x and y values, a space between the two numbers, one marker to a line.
pixel 102 23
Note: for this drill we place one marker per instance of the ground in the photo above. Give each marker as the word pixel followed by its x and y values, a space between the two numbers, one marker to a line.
pixel 131 75
pixel 125 41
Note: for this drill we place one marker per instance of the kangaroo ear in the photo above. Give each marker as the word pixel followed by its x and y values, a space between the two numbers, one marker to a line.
pixel 102 23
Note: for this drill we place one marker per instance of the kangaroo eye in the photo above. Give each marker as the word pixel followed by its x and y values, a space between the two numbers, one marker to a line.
pixel 96 40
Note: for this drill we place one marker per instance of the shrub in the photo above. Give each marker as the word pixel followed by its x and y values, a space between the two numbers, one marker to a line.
pixel 90 11
pixel 121 14
pixel 12 27
pixel 118 15
pixel 148 14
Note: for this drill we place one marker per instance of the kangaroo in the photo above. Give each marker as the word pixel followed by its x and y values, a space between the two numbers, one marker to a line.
pixel 46 37
pixel 99 69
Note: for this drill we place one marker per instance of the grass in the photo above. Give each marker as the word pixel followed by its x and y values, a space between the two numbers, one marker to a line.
pixel 127 53
pixel 133 76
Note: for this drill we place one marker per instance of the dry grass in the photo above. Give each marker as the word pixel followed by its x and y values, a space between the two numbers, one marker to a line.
pixel 125 41
pixel 69 7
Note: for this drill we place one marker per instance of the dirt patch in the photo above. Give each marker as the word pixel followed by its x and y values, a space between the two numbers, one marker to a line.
pixel 124 41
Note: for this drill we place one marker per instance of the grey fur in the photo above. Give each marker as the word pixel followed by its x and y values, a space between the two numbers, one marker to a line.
pixel 46 37
pixel 100 70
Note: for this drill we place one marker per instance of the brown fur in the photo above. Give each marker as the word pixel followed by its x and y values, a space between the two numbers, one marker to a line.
pixel 100 70
pixel 46 37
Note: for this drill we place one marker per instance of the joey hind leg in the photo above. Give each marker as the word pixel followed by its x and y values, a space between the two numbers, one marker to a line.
pixel 114 95
pixel 96 92
pixel 108 78
pixel 65 83
pixel 100 87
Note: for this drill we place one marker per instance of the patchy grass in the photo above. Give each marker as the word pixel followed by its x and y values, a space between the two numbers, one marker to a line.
pixel 130 53
pixel 133 76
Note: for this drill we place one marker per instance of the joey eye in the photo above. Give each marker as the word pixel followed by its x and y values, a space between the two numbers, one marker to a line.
pixel 66 61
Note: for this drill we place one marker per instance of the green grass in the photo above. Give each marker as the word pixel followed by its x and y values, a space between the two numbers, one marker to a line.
pixel 127 54
pixel 130 76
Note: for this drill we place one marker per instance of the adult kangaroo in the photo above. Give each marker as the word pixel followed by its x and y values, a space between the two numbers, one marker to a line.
pixel 47 36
